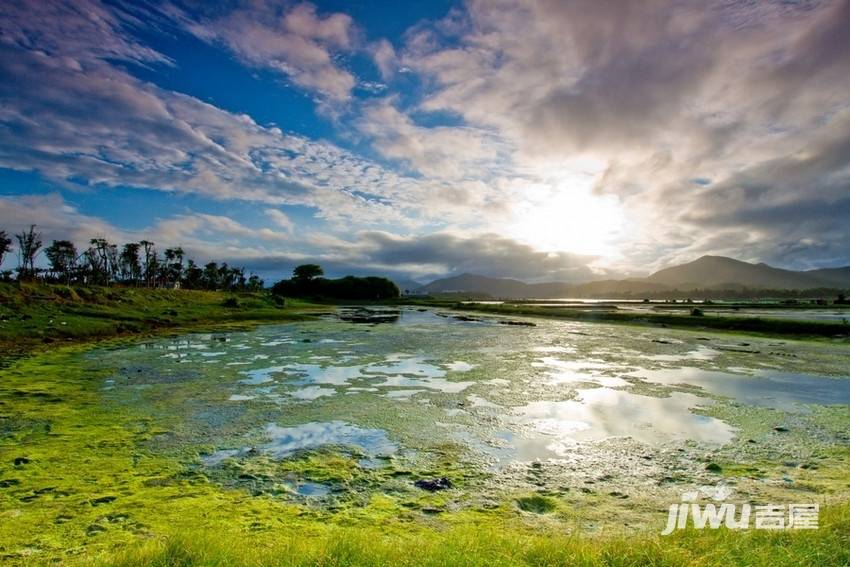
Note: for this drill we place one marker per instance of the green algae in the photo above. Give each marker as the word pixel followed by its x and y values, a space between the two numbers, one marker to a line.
pixel 90 466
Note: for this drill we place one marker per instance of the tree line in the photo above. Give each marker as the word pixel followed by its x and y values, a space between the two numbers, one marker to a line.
pixel 133 263
pixel 307 281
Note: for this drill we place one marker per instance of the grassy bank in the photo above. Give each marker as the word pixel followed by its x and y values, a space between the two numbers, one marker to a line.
pixel 38 314
pixel 81 485
pixel 754 325
pixel 84 480
pixel 494 543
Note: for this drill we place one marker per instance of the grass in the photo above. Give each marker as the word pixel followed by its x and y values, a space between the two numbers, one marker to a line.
pixel 750 325
pixel 79 484
pixel 38 314
pixel 493 543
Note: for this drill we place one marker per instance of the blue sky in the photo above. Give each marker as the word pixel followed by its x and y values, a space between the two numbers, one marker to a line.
pixel 534 139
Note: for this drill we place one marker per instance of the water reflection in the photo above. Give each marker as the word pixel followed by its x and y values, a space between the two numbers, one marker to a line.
pixel 767 388
pixel 284 441
pixel 548 428
pixel 577 371
pixel 503 390
pixel 287 440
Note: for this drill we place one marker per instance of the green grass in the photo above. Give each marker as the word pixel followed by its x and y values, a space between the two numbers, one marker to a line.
pixel 38 314
pixel 751 325
pixel 79 484
pixel 493 543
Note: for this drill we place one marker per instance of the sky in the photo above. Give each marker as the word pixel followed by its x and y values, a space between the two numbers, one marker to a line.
pixel 538 139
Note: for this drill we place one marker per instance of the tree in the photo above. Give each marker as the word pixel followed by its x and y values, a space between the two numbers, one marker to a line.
pixel 29 243
pixel 255 283
pixel 307 272
pixel 149 270
pixel 5 245
pixel 211 276
pixel 226 276
pixel 131 264
pixel 349 287
pixel 193 278
pixel 62 255
pixel 102 258
pixel 174 264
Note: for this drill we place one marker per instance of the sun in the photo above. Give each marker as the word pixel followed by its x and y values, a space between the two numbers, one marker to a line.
pixel 570 219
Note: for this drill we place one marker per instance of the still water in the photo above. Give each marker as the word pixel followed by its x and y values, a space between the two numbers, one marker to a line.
pixel 503 395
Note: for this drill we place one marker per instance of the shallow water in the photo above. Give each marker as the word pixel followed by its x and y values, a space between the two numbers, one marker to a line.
pixel 504 395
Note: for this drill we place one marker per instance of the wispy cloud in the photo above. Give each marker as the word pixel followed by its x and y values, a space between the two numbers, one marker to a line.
pixel 659 93
pixel 502 109
pixel 296 42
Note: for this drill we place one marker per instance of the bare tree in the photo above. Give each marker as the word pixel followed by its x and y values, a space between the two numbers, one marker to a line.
pixel 150 261
pixel 29 243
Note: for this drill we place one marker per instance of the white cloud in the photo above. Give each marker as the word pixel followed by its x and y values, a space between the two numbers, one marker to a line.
pixel 660 94
pixel 713 128
pixel 384 55
pixel 299 43
pixel 281 220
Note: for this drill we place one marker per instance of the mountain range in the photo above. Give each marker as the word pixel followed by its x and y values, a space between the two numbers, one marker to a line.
pixel 705 273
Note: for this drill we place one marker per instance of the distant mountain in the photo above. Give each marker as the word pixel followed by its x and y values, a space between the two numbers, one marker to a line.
pixel 719 271
pixel 831 277
pixel 406 284
pixel 707 272
pixel 471 283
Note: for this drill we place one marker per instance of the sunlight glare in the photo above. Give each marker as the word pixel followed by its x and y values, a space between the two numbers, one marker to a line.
pixel 569 219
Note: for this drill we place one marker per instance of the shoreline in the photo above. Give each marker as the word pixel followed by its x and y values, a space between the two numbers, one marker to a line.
pixel 757 326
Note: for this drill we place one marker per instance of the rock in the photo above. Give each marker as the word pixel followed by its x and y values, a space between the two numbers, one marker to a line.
pixel 433 484
pixel 518 323
pixel 102 500
pixel 95 529
pixel 21 461
pixel 536 504
pixel 780 429
pixel 713 467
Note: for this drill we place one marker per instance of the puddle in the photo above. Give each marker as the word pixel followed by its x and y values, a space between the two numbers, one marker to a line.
pixel 603 413
pixel 261 375
pixel 399 364
pixel 312 392
pixel 582 394
pixel 577 371
pixel 240 398
pixel 284 441
pixel 459 366
pixel 311 489
pixel 766 388
pixel 318 374
pixel 287 440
